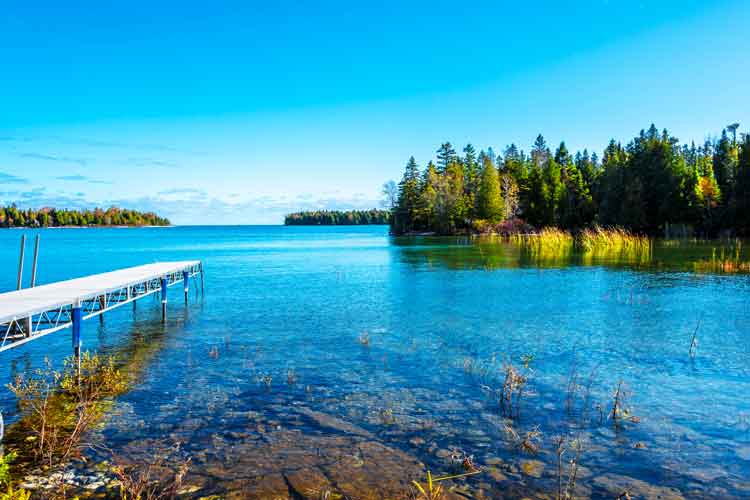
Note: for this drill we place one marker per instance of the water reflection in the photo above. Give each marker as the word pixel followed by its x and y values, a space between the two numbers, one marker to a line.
pixel 496 252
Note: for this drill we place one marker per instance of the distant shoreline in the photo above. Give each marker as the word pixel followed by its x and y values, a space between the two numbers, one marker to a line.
pixel 86 227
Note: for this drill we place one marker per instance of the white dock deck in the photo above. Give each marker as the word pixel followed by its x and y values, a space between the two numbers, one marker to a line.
pixel 49 305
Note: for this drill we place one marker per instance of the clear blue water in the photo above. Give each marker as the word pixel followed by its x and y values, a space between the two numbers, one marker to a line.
pixel 407 340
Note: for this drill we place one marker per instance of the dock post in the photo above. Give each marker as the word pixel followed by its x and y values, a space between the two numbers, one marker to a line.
pixel 102 304
pixel 164 299
pixel 36 258
pixel 201 264
pixel 77 318
pixel 186 283
pixel 20 263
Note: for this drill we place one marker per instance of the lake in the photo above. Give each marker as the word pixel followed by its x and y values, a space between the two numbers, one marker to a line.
pixel 341 359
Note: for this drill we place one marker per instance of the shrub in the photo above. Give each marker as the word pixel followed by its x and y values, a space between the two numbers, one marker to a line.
pixel 57 408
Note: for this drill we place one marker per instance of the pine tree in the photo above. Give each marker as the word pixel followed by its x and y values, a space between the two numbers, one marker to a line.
pixel 725 163
pixel 406 212
pixel 490 204
pixel 742 188
pixel 445 155
pixel 471 178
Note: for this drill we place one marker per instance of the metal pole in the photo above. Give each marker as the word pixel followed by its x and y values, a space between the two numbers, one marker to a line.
pixel 164 299
pixel 36 257
pixel 102 305
pixel 186 282
pixel 77 318
pixel 20 262
pixel 201 278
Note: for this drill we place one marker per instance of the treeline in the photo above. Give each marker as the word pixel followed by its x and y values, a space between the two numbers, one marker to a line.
pixel 11 216
pixel 337 217
pixel 651 185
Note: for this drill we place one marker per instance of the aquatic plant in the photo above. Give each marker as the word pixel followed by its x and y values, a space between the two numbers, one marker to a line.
pixel 620 411
pixel 364 339
pixel 58 408
pixel 529 442
pixel 430 491
pixel 694 340
pixel 152 480
pixel 464 461
pixel 566 480
pixel 266 380
pixel 511 392
pixel 549 245
pixel 213 352
pixel 386 416
pixel 725 259
pixel 555 246
pixel 614 241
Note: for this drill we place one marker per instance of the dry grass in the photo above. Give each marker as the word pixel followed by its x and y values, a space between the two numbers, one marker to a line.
pixel 150 481
pixel 511 393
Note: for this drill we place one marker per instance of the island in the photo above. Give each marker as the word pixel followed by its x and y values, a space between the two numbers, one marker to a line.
pixel 12 216
pixel 338 218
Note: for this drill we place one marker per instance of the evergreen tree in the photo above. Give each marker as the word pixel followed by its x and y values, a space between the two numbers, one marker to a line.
pixel 742 188
pixel 471 178
pixel 490 204
pixel 406 211
pixel 445 155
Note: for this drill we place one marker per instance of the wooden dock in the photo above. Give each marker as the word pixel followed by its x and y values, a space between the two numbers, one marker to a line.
pixel 31 313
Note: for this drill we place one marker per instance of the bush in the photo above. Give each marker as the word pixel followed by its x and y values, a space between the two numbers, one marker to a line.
pixel 57 408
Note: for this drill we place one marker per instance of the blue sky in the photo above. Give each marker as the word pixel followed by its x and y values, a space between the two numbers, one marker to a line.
pixel 237 112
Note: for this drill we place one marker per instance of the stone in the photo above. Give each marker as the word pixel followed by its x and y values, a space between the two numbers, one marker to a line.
pixel 616 484
pixel 308 483
pixel 331 422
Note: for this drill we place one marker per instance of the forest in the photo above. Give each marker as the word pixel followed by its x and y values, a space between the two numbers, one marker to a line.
pixel 652 185
pixel 12 216
pixel 337 217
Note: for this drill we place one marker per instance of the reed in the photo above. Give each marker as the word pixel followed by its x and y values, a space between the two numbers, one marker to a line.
pixel 548 244
pixel 599 241
pixel 726 259
pixel 551 244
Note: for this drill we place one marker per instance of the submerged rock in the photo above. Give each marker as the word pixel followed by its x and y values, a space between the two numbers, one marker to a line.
pixel 331 422
pixel 616 484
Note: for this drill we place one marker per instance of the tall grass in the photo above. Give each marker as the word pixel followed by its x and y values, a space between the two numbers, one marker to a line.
pixel 613 242
pixel 725 259
pixel 552 245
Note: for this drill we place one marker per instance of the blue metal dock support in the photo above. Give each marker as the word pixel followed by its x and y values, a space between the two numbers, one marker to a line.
pixel 186 282
pixel 77 319
pixel 164 299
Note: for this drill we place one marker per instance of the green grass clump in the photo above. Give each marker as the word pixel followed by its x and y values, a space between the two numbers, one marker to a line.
pixel 550 244
pixel 606 242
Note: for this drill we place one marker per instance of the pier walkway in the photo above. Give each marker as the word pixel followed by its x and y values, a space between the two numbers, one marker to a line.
pixel 30 313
